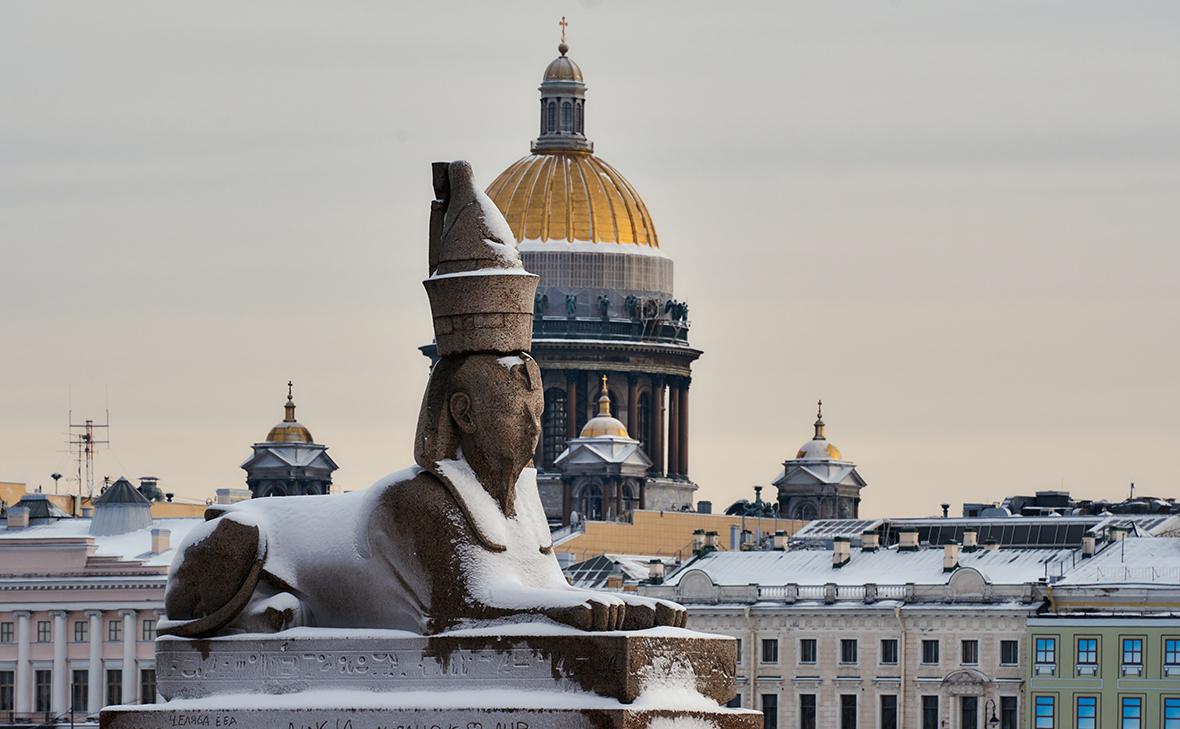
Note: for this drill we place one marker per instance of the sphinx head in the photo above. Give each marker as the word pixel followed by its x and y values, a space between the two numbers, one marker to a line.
pixel 487 407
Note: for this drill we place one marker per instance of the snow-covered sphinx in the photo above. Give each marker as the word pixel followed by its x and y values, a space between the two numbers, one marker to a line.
pixel 459 537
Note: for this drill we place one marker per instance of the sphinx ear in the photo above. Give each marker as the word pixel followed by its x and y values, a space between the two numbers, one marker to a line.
pixel 460 407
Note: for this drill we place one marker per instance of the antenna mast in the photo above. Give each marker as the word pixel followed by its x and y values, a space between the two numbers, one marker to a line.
pixel 82 437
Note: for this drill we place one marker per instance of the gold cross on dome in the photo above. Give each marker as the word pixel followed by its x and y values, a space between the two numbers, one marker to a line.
pixel 564 24
pixel 604 382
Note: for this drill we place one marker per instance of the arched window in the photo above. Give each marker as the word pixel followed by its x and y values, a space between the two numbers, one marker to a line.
pixel 580 128
pixel 542 116
pixel 567 113
pixel 590 502
pixel 630 496
pixel 805 511
pixel 552 127
pixel 552 427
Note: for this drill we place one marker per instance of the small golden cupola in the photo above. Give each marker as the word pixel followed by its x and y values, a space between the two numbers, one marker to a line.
pixel 289 430
pixel 604 424
pixel 818 448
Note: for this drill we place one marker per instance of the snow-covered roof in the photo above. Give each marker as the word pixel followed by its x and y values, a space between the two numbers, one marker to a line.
pixel 135 545
pixel 1140 561
pixel 884 567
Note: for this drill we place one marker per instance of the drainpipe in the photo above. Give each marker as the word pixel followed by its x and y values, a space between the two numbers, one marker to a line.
pixel 1052 601
pixel 901 689
pixel 753 661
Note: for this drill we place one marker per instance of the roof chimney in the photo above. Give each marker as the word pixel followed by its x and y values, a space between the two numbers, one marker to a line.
pixel 655 571
pixel 161 540
pixel 1088 545
pixel 946 510
pixel 841 551
pixel 698 539
pixel 908 540
pixel 780 541
pixel 18 517
pixel 870 541
pixel 950 556
pixel 970 537
pixel 87 512
pixel 991 545
pixel 1118 533
pixel 711 540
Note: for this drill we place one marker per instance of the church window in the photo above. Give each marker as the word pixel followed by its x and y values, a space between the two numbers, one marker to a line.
pixel 806 512
pixel 552 126
pixel 553 427
pixel 580 128
pixel 643 432
pixel 591 502
pixel 542 116
pixel 567 110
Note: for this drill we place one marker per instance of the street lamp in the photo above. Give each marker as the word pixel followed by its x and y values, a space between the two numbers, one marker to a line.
pixel 992 721
pixel 56 477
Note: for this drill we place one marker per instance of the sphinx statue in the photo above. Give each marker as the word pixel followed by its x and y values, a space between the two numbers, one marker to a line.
pixel 458 538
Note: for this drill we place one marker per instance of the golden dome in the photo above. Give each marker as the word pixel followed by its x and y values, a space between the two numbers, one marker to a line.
pixel 289 430
pixel 571 196
pixel 562 68
pixel 604 424
pixel 818 448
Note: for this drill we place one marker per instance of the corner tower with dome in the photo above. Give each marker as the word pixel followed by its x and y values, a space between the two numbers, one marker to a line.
pixel 289 462
pixel 818 483
pixel 605 304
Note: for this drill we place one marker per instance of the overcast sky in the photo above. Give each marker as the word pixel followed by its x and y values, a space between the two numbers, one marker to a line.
pixel 957 223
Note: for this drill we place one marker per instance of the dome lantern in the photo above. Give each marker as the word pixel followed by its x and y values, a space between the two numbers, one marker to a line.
pixel 563 105
pixel 604 424
pixel 289 430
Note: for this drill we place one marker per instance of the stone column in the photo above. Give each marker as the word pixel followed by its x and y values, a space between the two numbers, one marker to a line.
pixel 620 500
pixel 130 675
pixel 94 675
pixel 633 407
pixel 674 428
pixel 24 678
pixel 657 447
pixel 571 406
pixel 59 700
pixel 643 494
pixel 567 501
pixel 684 429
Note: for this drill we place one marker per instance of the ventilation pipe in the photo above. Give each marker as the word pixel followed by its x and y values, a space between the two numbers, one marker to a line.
pixel 655 571
pixel 870 542
pixel 698 539
pixel 1088 546
pixel 970 539
pixel 991 545
pixel 780 541
pixel 711 540
pixel 161 540
pixel 908 540
pixel 950 556
pixel 1118 533
pixel 841 551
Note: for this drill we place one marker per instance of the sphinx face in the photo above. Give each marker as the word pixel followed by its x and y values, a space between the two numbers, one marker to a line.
pixel 506 410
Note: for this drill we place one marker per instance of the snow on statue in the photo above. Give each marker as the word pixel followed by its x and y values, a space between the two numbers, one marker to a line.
pixel 462 535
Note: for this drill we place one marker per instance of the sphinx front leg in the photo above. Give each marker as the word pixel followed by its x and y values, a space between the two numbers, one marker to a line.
pixel 270 610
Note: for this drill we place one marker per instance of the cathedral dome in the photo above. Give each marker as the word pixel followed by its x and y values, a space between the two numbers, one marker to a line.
pixel 289 430
pixel 604 424
pixel 571 197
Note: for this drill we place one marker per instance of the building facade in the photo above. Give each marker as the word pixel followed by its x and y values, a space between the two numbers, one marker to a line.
pixel 78 615
pixel 605 303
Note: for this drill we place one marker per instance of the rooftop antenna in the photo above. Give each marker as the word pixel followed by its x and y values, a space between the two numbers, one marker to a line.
pixel 83 438
pixel 1132 491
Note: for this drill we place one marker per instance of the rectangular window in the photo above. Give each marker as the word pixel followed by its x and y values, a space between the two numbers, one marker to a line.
pixel 44 631
pixel 1131 713
pixel 147 686
pixel 739 651
pixel 930 652
pixel 930 712
pixel 807 650
pixel 889 652
pixel 1046 652
pixel 80 691
pixel 968 712
pixel 888 711
pixel 148 633
pixel 1171 713
pixel 848 650
pixel 1132 651
pixel 6 633
pixel 42 690
pixel 970 651
pixel 770 711
pixel 1088 651
pixel 81 631
pixel 807 711
pixel 1086 712
pixel 847 711
pixel 1009 652
pixel 1044 709
pixel 769 650
pixel 114 686
pixel 1172 652
pixel 1008 711
pixel 7 690
pixel 114 630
